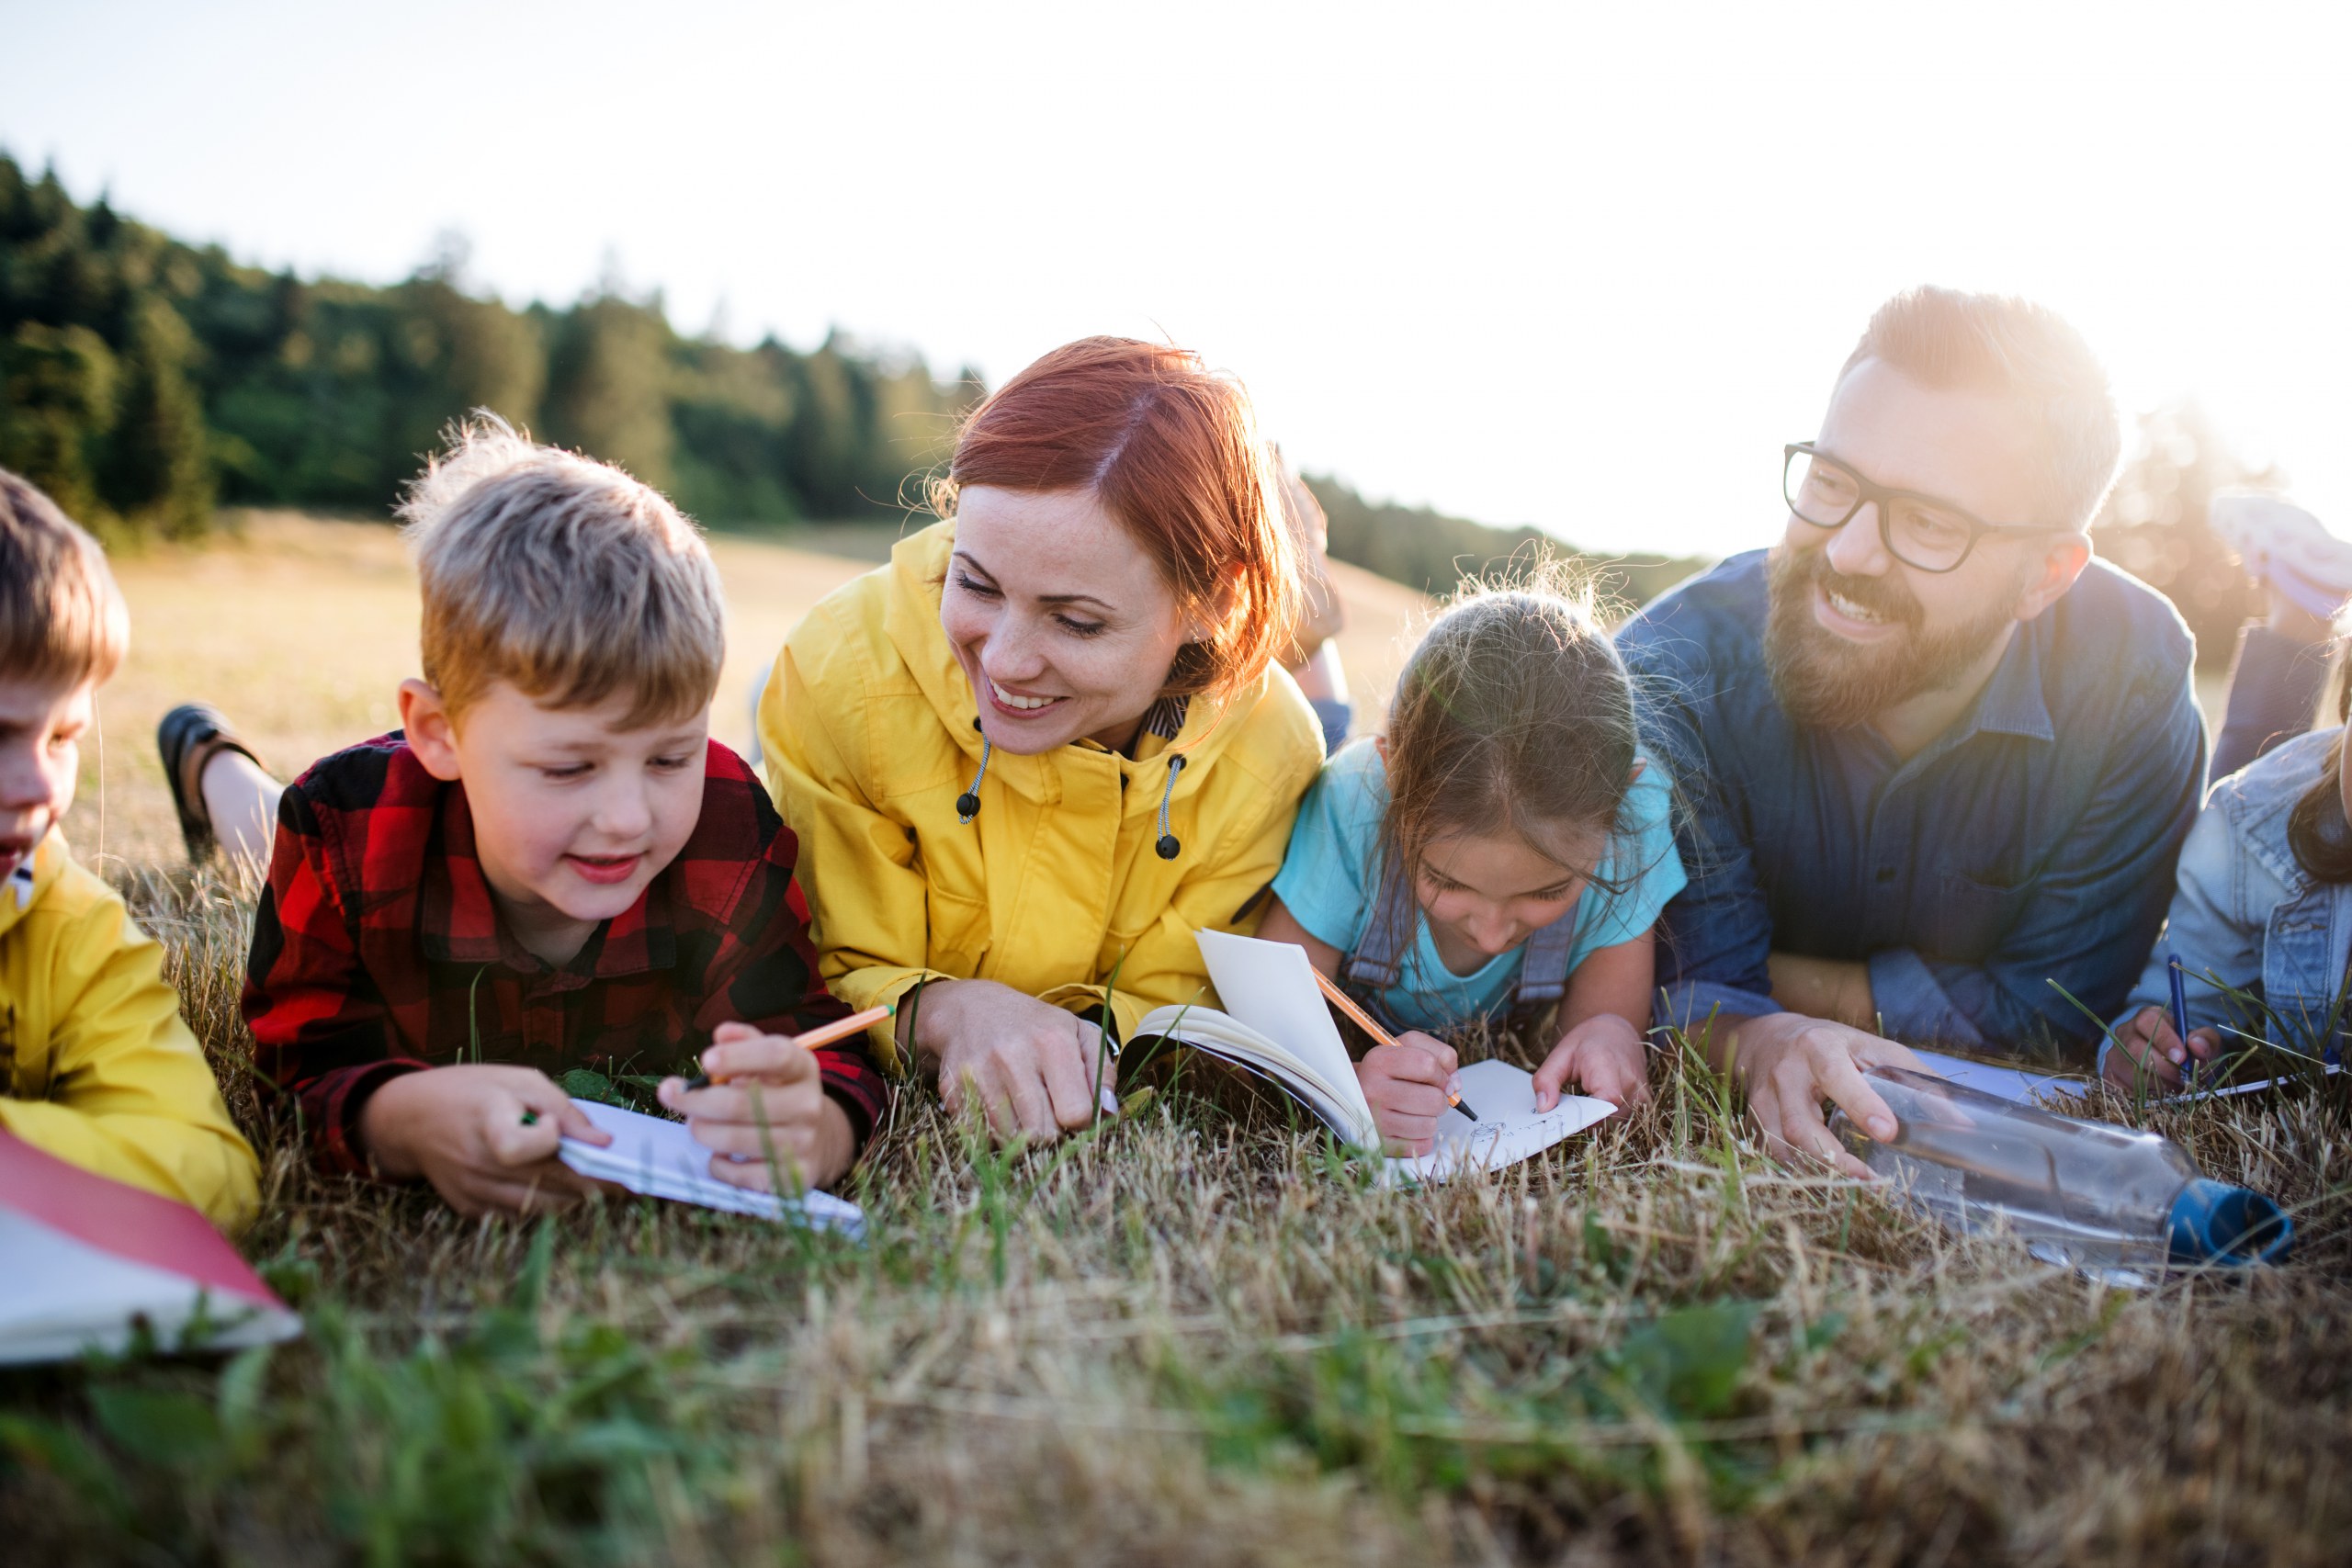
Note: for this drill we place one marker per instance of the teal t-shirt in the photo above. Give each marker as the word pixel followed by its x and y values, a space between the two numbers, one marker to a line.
pixel 1328 878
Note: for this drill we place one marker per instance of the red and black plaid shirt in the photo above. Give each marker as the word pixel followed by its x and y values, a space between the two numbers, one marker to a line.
pixel 377 950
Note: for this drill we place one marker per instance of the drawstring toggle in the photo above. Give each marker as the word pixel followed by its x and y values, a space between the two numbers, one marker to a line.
pixel 968 805
pixel 1169 847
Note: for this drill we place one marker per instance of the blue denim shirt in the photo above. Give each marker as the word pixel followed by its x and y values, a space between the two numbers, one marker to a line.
pixel 2032 843
pixel 2247 914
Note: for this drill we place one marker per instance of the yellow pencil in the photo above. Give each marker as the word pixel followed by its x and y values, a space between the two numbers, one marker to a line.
pixel 823 1035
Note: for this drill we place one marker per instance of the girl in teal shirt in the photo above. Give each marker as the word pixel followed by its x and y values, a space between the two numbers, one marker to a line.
pixel 1505 846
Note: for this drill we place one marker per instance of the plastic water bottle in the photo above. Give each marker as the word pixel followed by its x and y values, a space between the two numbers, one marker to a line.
pixel 2088 1195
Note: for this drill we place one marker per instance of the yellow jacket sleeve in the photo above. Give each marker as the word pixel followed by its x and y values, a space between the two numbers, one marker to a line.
pixel 867 915
pixel 130 1096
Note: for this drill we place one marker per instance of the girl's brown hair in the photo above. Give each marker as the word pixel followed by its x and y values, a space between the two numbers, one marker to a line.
pixel 1172 451
pixel 1515 710
pixel 2316 831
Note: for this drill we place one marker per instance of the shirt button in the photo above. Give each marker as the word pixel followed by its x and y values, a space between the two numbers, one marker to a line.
pixel 1886 873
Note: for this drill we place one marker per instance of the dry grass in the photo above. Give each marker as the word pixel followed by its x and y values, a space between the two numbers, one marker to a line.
pixel 1189 1336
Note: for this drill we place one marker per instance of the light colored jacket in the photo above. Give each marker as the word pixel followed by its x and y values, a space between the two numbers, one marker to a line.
pixel 96 1063
pixel 2246 912
pixel 870 732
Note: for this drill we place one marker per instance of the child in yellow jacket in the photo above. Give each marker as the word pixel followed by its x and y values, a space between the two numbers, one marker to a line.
pixel 97 1066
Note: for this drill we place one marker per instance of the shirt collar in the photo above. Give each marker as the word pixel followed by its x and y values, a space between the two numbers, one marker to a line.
pixel 459 923
pixel 2012 701
pixel 1166 718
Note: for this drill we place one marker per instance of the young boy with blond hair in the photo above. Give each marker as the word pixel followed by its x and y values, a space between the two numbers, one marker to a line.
pixel 550 866
pixel 97 1066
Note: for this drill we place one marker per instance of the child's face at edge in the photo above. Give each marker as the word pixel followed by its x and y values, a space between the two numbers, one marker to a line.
pixel 40 758
pixel 573 814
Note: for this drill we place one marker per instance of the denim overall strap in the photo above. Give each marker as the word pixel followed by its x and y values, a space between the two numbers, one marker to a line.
pixel 1379 957
pixel 1543 974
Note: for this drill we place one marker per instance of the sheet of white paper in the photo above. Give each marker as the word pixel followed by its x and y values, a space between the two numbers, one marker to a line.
pixel 2015 1083
pixel 660 1159
pixel 64 1296
pixel 2010 1083
pixel 1508 1130
pixel 1270 986
pixel 2226 1092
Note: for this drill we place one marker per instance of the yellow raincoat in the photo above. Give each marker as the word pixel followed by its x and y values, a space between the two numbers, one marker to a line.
pixel 96 1065
pixel 870 732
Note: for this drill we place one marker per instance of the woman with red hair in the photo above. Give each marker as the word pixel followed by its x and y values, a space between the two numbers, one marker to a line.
pixel 1033 755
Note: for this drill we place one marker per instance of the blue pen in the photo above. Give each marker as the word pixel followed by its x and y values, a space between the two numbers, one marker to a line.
pixel 2180 1018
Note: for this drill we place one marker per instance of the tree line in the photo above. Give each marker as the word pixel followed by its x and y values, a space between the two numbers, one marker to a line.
pixel 1431 551
pixel 144 382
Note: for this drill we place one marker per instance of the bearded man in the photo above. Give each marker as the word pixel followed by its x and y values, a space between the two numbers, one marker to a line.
pixel 1935 760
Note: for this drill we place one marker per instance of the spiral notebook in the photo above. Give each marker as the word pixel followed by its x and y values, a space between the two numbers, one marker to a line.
pixel 657 1157
pixel 1276 1024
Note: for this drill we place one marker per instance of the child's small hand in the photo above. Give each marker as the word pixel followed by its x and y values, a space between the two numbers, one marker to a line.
pixel 770 1101
pixel 1604 1056
pixel 2148 1043
pixel 484 1136
pixel 1409 1087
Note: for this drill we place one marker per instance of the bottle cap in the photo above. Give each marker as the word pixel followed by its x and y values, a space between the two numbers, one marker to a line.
pixel 2215 1223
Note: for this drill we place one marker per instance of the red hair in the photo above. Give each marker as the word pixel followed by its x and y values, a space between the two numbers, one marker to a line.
pixel 1172 451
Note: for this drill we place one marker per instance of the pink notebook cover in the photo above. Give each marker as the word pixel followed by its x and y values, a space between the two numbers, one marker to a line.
pixel 111 1217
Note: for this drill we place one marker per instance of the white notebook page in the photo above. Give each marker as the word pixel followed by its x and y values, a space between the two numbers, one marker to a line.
pixel 659 1158
pixel 1270 986
pixel 1510 1128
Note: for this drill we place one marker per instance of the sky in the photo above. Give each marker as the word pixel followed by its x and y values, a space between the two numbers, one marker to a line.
pixel 1586 266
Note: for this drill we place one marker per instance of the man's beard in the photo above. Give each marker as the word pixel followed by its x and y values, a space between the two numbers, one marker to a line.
pixel 1823 681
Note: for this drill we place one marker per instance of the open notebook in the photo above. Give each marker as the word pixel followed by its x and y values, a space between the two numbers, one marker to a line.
pixel 660 1159
pixel 1277 1025
pixel 90 1264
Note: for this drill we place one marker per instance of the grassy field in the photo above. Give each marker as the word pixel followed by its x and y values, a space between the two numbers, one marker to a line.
pixel 302 630
pixel 1186 1337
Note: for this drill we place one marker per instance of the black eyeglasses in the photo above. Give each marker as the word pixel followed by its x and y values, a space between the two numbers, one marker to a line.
pixel 1918 530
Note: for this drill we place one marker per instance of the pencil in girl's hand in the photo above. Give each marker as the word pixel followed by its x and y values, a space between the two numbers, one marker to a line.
pixel 1347 1004
pixel 824 1034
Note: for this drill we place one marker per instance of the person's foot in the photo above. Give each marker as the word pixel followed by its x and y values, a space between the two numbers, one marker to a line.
pixel 2287 548
pixel 189 737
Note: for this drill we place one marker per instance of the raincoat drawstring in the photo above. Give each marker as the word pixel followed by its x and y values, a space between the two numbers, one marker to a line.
pixel 1169 845
pixel 968 805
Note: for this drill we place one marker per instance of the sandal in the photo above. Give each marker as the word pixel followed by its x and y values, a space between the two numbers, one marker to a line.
pixel 190 736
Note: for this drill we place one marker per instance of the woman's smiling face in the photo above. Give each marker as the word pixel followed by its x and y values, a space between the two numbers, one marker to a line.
pixel 1062 623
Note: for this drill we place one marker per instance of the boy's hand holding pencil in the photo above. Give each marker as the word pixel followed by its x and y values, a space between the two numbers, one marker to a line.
pixel 760 1105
